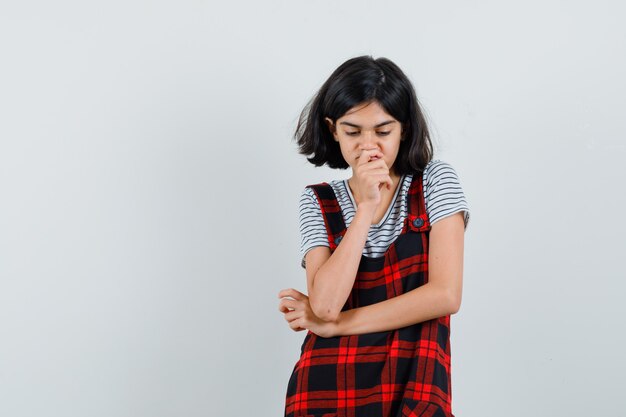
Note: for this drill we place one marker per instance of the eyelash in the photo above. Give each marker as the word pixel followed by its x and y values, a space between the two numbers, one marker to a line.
pixel 356 133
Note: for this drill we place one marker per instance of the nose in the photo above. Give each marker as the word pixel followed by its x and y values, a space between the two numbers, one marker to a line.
pixel 368 141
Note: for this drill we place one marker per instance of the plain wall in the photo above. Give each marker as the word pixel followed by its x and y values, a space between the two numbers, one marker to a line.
pixel 149 188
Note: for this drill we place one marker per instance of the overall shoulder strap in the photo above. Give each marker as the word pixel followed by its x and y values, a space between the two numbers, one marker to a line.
pixel 417 217
pixel 331 211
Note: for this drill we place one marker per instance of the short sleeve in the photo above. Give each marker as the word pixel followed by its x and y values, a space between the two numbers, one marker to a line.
pixel 312 227
pixel 443 193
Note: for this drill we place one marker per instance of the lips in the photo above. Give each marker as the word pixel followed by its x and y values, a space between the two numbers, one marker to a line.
pixel 371 158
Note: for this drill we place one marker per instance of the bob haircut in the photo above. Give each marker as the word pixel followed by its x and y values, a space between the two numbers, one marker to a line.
pixel 358 81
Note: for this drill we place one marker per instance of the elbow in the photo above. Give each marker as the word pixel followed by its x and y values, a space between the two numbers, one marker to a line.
pixel 327 314
pixel 324 312
pixel 330 316
pixel 450 300
pixel 454 303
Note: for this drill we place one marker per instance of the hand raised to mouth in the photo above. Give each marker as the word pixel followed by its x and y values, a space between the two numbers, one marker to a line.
pixel 370 174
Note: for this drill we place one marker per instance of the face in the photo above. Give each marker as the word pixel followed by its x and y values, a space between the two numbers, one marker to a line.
pixel 367 126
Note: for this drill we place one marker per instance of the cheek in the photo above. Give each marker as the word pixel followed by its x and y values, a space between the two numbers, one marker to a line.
pixel 392 145
pixel 346 152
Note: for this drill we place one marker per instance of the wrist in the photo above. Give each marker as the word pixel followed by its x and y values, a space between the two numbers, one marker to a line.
pixel 368 207
pixel 365 212
pixel 336 325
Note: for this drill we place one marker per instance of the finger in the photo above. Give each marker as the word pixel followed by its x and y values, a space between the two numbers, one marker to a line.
pixel 380 162
pixel 282 306
pixel 366 155
pixel 389 182
pixel 296 324
pixel 286 305
pixel 292 315
pixel 375 167
pixel 291 292
pixel 282 292
pixel 382 180
pixel 376 156
pixel 288 292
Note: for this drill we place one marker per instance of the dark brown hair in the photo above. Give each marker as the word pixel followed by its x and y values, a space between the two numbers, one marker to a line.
pixel 360 80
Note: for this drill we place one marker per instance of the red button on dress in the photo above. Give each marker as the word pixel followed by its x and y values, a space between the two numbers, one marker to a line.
pixel 398 373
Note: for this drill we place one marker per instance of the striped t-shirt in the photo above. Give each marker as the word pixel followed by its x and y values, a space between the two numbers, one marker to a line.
pixel 443 196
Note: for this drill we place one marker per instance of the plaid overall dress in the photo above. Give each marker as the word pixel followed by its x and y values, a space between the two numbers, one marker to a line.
pixel 397 373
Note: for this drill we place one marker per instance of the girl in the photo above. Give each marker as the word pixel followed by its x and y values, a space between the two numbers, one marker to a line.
pixel 383 252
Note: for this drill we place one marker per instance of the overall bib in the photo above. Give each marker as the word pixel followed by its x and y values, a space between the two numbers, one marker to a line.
pixel 397 373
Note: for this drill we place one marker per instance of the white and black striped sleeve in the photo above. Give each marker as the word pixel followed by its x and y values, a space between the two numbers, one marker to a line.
pixel 443 192
pixel 312 228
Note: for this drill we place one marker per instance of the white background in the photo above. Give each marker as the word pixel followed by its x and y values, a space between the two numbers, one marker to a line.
pixel 149 188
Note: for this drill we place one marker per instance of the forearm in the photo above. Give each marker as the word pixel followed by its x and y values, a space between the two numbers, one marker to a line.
pixel 423 303
pixel 334 280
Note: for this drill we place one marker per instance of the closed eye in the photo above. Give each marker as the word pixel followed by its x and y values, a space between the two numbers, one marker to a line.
pixel 379 133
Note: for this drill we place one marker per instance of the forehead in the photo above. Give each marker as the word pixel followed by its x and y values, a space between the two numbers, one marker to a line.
pixel 368 113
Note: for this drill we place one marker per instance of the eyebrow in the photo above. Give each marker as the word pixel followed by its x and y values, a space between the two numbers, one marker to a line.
pixel 378 125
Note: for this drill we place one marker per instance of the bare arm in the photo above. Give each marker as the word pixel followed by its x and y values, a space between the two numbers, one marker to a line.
pixel 330 278
pixel 440 296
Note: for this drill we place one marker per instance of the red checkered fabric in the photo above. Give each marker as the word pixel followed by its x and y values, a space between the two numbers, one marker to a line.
pixel 399 373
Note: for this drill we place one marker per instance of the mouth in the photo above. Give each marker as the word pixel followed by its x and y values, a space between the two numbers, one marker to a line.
pixel 371 158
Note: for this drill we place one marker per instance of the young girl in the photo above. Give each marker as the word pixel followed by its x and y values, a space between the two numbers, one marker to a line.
pixel 383 252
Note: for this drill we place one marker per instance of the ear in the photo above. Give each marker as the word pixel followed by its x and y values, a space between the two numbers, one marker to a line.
pixel 331 126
